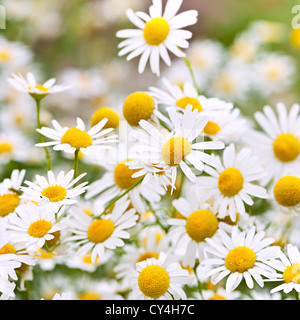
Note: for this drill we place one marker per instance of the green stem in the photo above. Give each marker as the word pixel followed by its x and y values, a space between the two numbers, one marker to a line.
pixel 120 196
pixel 38 109
pixel 76 163
pixel 189 65
pixel 199 283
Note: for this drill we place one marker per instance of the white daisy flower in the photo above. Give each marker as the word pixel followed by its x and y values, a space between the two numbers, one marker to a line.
pixel 77 138
pixel 288 267
pixel 278 146
pixel 158 279
pixel 97 235
pixel 177 147
pixel 190 232
pixel 56 191
pixel 30 85
pixel 117 180
pixel 157 33
pixel 239 256
pixel 232 182
pixel 10 192
pixel 220 294
pixel 33 225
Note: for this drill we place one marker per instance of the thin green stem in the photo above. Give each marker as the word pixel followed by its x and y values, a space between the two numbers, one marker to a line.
pixel 189 65
pixel 120 196
pixel 76 163
pixel 38 109
pixel 199 283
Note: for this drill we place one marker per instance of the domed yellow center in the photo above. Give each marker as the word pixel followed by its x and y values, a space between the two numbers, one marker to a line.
pixel 122 175
pixel 217 297
pixel 240 259
pixel 138 106
pixel 5 147
pixel 40 228
pixel 156 31
pixel 231 182
pixel 89 296
pixel 175 150
pixel 292 274
pixel 77 138
pixel 201 224
pixel 5 56
pixel 105 112
pixel 7 249
pixel 8 203
pixel 287 191
pixel 54 193
pixel 147 255
pixel 212 128
pixel 40 88
pixel 154 281
pixel 183 102
pixel 100 230
pixel 286 147
pixel 295 37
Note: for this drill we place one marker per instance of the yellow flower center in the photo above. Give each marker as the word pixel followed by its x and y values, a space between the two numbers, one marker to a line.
pixel 40 88
pixel 212 128
pixel 147 255
pixel 122 175
pixel 231 182
pixel 183 102
pixel 100 230
pixel 5 56
pixel 156 31
pixel 7 248
pixel 51 243
pixel 154 281
pixel 89 296
pixel 77 138
pixel 286 147
pixel 217 297
pixel 138 106
pixel 295 38
pixel 287 191
pixel 44 254
pixel 88 259
pixel 240 259
pixel 229 221
pixel 175 150
pixel 8 203
pixel 39 229
pixel 201 224
pixel 5 147
pixel 292 274
pixel 105 112
pixel 54 193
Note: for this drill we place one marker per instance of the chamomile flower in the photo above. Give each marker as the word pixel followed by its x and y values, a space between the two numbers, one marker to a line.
pixel 56 191
pixel 77 138
pixel 117 180
pixel 96 235
pixel 278 146
pixel 10 192
pixel 158 279
pixel 232 182
pixel 288 269
pixel 29 85
pixel 157 33
pixel 190 231
pixel 33 225
pixel 8 275
pixel 239 256
pixel 172 150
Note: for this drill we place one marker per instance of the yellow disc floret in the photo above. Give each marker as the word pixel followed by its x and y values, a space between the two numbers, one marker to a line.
pixel 287 191
pixel 292 274
pixel 5 147
pixel 240 259
pixel 77 138
pixel 286 147
pixel 156 31
pixel 154 281
pixel 147 255
pixel 89 296
pixel 8 203
pixel 138 106
pixel 175 150
pixel 54 193
pixel 185 101
pixel 100 230
pixel 212 128
pixel 201 224
pixel 217 297
pixel 7 249
pixel 231 182
pixel 295 37
pixel 122 175
pixel 105 112
pixel 39 228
